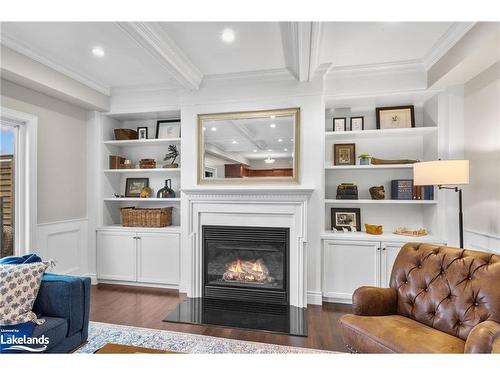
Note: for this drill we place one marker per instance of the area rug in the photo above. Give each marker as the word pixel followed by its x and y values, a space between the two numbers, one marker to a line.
pixel 103 333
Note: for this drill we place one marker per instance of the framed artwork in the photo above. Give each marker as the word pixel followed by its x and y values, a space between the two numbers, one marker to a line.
pixel 134 186
pixel 142 132
pixel 339 124
pixel 168 129
pixel 357 123
pixel 344 154
pixel 395 117
pixel 346 218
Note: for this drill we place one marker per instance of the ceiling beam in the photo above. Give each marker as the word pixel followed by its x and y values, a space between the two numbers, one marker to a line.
pixel 301 47
pixel 152 37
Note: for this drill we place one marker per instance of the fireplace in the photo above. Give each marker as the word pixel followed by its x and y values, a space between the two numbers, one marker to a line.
pixel 246 263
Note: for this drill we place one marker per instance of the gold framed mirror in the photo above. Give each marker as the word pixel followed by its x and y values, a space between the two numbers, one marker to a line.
pixel 249 147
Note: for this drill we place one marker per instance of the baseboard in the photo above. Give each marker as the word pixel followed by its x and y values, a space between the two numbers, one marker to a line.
pixel 133 283
pixel 314 298
pixel 93 278
pixel 344 301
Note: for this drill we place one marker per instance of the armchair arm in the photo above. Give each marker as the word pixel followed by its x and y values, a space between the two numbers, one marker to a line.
pixel 67 297
pixel 484 338
pixel 374 301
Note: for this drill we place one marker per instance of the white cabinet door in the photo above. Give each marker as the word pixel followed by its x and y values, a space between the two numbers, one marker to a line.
pixel 116 259
pixel 349 265
pixel 158 258
pixel 390 251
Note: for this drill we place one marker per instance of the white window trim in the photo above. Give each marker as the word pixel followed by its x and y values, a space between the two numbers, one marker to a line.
pixel 26 178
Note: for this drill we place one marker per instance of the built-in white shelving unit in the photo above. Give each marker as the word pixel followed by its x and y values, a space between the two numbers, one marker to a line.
pixel 417 143
pixel 114 180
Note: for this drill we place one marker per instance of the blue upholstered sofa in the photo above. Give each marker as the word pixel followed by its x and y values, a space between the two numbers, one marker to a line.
pixel 64 303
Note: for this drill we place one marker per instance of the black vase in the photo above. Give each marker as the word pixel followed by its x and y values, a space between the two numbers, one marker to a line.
pixel 167 191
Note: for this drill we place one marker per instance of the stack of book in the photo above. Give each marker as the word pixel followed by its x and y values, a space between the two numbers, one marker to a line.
pixel 405 190
pixel 347 191
pixel 147 163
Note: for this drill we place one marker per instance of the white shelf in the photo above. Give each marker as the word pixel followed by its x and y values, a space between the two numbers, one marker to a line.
pixel 119 227
pixel 364 167
pixel 143 170
pixel 142 142
pixel 363 236
pixel 383 133
pixel 142 199
pixel 381 201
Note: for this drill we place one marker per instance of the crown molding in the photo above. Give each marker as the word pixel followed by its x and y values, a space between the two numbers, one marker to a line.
pixel 152 37
pixel 21 48
pixel 146 88
pixel 379 68
pixel 316 38
pixel 256 75
pixel 445 42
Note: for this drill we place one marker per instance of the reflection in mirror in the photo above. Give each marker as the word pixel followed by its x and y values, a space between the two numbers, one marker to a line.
pixel 248 146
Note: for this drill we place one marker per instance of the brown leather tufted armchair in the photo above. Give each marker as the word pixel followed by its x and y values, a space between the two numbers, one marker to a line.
pixel 440 300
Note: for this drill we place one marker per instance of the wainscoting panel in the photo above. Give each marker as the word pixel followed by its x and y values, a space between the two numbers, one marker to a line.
pixel 481 241
pixel 66 243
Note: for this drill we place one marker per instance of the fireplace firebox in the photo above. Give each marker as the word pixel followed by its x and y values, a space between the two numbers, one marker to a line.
pixel 246 263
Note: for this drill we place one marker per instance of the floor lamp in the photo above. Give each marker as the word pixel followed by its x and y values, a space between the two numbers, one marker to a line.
pixel 444 173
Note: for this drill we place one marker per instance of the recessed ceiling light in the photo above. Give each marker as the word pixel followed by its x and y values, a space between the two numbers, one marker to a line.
pixel 285 149
pixel 291 140
pixel 273 116
pixel 204 128
pixel 227 35
pixel 234 142
pixel 254 150
pixel 270 150
pixel 213 128
pixel 98 51
pixel 273 125
pixel 268 160
pixel 280 140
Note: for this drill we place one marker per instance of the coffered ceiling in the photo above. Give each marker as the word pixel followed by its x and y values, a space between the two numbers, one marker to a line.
pixel 182 54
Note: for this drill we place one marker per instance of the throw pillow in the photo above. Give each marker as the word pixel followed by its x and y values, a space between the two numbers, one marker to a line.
pixel 19 285
pixel 28 258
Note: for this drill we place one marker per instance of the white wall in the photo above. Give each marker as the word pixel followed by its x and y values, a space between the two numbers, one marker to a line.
pixel 482 148
pixel 61 174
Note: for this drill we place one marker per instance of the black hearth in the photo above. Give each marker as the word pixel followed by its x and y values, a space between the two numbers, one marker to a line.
pixel 246 264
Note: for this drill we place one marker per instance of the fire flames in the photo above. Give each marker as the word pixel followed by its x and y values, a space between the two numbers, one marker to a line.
pixel 248 271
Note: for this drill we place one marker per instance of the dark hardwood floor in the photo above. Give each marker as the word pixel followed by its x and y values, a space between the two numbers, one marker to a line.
pixel 146 307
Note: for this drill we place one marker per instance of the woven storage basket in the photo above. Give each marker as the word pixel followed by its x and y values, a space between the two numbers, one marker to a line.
pixel 146 217
pixel 125 134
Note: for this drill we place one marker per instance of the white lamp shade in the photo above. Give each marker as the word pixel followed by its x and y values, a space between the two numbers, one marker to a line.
pixel 441 172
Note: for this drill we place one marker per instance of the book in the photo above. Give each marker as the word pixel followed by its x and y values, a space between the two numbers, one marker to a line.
pixel 402 189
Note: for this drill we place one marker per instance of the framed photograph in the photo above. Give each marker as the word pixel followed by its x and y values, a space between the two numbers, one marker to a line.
pixel 395 117
pixel 344 154
pixel 134 186
pixel 346 218
pixel 357 123
pixel 339 124
pixel 142 132
pixel 167 129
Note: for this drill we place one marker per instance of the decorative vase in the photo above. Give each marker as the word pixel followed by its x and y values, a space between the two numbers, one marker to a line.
pixel 166 192
pixel 364 161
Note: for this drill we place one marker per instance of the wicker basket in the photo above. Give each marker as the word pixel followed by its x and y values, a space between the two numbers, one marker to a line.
pixel 146 217
pixel 125 134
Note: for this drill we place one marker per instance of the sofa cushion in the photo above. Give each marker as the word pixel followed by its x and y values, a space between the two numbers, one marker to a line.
pixel 23 259
pixel 53 328
pixel 395 334
pixel 19 285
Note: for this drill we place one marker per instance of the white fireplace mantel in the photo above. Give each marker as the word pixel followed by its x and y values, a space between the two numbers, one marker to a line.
pixel 284 207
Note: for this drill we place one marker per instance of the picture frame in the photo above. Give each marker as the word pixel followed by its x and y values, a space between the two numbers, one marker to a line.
pixel 339 124
pixel 346 218
pixel 395 117
pixel 344 154
pixel 357 123
pixel 168 129
pixel 142 132
pixel 134 186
